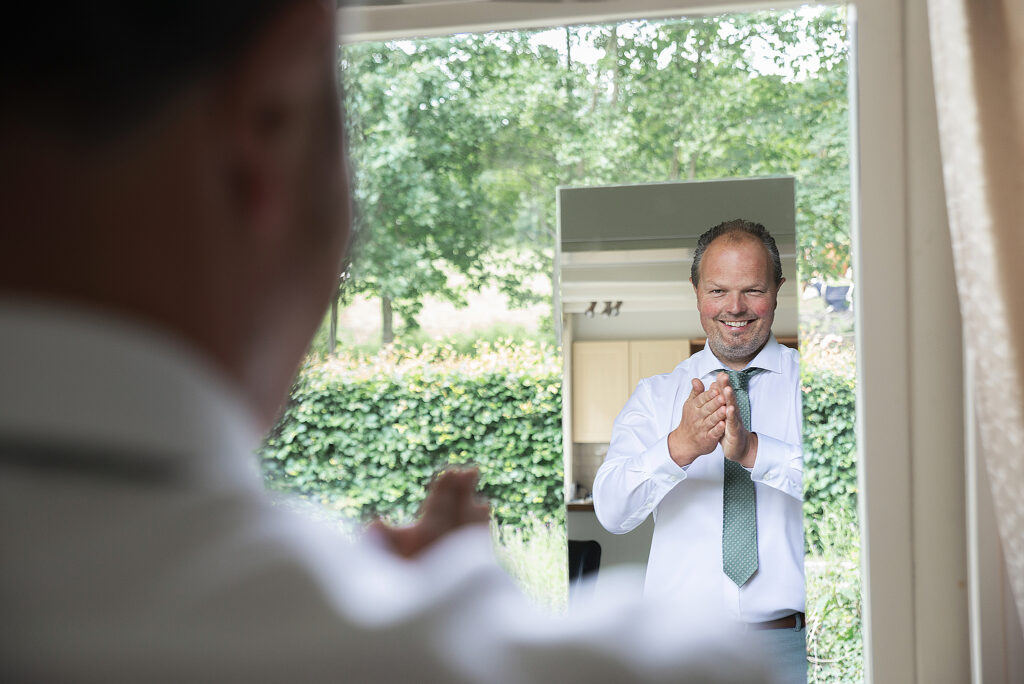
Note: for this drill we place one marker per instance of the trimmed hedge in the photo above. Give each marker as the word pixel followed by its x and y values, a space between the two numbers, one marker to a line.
pixel 365 435
pixel 830 449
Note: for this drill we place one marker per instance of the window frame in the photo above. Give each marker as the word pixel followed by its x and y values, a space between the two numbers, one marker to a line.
pixel 882 227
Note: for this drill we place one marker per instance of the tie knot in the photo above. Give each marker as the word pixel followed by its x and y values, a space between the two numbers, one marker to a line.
pixel 741 379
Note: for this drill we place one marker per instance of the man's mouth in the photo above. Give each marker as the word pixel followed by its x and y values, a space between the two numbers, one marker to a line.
pixel 735 324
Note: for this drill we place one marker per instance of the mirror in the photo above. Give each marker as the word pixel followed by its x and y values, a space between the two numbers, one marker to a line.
pixel 582 85
pixel 629 312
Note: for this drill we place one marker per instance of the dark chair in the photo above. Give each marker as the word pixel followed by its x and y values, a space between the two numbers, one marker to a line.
pixel 584 561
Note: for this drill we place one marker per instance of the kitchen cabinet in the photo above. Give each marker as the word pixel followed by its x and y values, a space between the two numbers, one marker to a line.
pixel 600 386
pixel 604 374
pixel 651 357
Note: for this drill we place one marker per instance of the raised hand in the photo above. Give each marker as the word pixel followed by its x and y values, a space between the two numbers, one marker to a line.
pixel 701 426
pixel 738 443
pixel 450 504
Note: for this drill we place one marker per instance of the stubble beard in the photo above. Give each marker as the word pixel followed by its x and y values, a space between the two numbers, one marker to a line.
pixel 736 353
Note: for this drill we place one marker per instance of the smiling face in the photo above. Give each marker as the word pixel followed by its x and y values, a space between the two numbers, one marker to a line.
pixel 736 297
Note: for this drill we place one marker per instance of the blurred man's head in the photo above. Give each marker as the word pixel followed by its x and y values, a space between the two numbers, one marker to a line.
pixel 180 164
pixel 736 275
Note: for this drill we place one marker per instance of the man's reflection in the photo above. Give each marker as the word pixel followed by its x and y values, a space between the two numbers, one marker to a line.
pixel 712 449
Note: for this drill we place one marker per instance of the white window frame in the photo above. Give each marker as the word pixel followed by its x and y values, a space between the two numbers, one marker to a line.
pixel 915 624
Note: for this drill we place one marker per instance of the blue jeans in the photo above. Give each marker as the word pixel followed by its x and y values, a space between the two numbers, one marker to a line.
pixel 785 653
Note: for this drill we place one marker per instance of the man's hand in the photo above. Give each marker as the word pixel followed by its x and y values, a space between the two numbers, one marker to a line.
pixel 738 444
pixel 701 426
pixel 450 504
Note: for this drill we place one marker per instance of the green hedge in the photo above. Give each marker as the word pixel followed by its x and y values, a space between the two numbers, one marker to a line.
pixel 365 435
pixel 830 471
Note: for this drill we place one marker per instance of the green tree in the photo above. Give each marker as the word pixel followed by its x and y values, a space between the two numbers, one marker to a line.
pixel 424 208
pixel 743 95
pixel 459 143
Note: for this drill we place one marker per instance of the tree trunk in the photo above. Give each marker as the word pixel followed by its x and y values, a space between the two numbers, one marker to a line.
pixel 693 166
pixel 568 49
pixel 674 171
pixel 332 334
pixel 555 276
pixel 387 321
pixel 613 50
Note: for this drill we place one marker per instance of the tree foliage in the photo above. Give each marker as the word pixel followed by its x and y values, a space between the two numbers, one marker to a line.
pixel 459 143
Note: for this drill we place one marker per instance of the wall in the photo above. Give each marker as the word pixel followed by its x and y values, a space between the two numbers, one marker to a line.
pixel 659 325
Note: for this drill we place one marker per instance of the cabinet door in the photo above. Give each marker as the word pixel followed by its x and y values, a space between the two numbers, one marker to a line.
pixel 651 357
pixel 600 387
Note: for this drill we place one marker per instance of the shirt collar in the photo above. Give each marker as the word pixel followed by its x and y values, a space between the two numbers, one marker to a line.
pixel 78 378
pixel 769 358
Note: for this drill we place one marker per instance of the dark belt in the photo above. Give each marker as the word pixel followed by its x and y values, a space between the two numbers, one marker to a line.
pixel 794 621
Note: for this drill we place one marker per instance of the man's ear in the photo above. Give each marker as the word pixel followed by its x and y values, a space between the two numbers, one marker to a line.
pixel 777 288
pixel 270 91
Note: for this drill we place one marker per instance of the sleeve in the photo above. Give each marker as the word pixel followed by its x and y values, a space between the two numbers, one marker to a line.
pixel 779 465
pixel 484 630
pixel 637 472
pixel 780 457
pixel 281 599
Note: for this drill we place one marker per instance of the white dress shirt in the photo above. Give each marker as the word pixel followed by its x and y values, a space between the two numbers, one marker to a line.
pixel 138 545
pixel 639 478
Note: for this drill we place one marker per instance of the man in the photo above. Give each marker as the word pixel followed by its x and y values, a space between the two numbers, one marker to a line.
pixel 174 219
pixel 726 497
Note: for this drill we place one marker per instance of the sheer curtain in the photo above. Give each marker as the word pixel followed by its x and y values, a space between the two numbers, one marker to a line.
pixel 978 60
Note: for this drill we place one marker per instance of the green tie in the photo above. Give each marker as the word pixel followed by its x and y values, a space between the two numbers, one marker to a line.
pixel 739 516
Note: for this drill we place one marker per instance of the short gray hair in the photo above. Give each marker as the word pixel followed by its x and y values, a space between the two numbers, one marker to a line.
pixel 755 230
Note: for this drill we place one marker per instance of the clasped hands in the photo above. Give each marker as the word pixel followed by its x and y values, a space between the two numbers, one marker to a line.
pixel 711 417
pixel 451 503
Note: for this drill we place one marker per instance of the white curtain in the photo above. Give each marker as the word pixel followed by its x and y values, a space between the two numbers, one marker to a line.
pixel 978 60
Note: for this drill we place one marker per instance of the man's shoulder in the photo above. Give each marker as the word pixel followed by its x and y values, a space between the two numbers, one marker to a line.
pixel 790 356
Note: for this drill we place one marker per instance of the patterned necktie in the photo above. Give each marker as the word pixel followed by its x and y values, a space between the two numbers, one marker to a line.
pixel 739 514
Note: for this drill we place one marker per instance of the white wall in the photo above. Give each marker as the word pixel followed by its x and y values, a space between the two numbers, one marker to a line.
pixel 647 325
pixel 655 325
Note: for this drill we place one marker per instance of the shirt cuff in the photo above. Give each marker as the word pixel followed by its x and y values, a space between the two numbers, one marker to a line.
pixel 774 461
pixel 659 465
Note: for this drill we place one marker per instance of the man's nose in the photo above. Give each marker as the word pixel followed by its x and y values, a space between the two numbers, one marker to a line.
pixel 735 304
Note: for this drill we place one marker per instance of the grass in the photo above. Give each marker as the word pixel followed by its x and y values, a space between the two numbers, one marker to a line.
pixel 835 647
pixel 466 343
pixel 816 319
pixel 537 559
pixel 415 339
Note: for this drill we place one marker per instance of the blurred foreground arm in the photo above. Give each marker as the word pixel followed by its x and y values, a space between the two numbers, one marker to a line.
pixel 451 503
